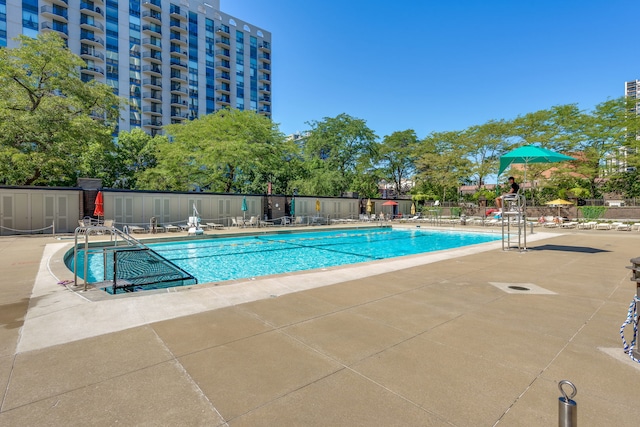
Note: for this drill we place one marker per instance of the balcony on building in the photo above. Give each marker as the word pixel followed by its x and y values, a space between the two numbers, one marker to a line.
pixel 265 99
pixel 265 67
pixel 265 78
pixel 178 51
pixel 55 26
pixel 152 16
pixel 152 29
pixel 178 114
pixel 152 43
pixel 152 83
pixel 177 101
pixel 153 96
pixel 222 53
pixel 223 65
pixel 87 23
pixel 223 88
pixel 177 38
pixel 176 75
pixel 265 56
pixel 152 69
pixel 176 25
pixel 86 37
pixel 64 3
pixel 89 53
pixel 153 109
pixel 93 70
pixel 176 13
pixel 222 30
pixel 153 56
pixel 265 46
pixel 178 89
pixel 177 63
pixel 264 88
pixel 90 9
pixel 56 12
pixel 223 41
pixel 223 100
pixel 153 4
pixel 152 123
pixel 223 76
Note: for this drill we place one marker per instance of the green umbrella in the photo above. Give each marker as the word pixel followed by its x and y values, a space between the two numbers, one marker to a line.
pixel 293 207
pixel 244 206
pixel 528 154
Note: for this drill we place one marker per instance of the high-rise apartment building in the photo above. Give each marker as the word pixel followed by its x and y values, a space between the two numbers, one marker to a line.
pixel 632 90
pixel 173 60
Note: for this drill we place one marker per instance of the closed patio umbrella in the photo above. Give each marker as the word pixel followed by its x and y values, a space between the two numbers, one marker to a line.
pixel 99 210
pixel 244 207
pixel 293 207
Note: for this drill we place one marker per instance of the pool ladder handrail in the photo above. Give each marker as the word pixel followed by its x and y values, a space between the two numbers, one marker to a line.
pixel 86 230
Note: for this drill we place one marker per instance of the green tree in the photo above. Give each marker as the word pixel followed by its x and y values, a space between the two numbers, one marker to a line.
pixel 134 153
pixel 483 145
pixel 51 122
pixel 605 131
pixel 334 151
pixel 228 151
pixel 397 153
pixel 441 164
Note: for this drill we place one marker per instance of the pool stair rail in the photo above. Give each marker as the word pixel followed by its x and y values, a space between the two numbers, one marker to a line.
pixel 127 262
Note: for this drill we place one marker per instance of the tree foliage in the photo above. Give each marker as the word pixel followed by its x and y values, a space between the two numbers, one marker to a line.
pixel 336 149
pixel 397 153
pixel 53 126
pixel 228 151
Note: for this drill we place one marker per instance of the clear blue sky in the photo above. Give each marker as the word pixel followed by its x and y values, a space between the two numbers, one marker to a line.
pixel 441 65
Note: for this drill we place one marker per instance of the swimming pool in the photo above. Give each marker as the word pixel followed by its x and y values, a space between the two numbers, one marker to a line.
pixel 221 259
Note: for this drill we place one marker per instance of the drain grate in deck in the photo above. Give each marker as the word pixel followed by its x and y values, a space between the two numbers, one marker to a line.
pixel 522 288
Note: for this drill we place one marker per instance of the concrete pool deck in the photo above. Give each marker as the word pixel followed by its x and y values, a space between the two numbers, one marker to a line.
pixel 414 341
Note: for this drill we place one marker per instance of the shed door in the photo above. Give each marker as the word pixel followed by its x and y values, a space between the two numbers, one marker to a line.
pixel 6 214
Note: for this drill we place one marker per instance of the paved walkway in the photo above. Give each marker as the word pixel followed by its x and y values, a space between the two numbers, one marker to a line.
pixel 423 342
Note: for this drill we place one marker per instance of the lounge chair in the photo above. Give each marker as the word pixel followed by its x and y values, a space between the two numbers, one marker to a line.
pixel 136 229
pixel 570 224
pixel 589 225
pixel 214 226
pixel 171 228
pixel 636 226
pixel 603 226
pixel 620 226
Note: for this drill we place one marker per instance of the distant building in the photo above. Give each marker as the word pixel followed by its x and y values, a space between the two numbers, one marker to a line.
pixel 173 60
pixel 632 91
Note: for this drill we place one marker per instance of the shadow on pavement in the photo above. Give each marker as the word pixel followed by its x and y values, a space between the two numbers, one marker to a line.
pixel 581 249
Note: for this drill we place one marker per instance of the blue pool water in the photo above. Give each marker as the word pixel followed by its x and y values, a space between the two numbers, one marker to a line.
pixel 215 260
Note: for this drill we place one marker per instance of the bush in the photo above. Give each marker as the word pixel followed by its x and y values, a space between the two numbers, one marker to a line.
pixel 592 212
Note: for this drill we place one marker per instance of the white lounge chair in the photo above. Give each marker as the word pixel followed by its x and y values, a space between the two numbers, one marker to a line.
pixel 636 226
pixel 214 226
pixel 603 226
pixel 570 224
pixel 136 229
pixel 620 226
pixel 589 225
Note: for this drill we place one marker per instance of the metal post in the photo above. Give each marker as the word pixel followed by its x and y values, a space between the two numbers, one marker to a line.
pixel 567 408
pixel 86 256
pixel 635 276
